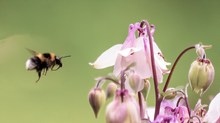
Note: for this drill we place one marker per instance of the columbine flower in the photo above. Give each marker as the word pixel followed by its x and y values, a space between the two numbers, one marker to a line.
pixel 201 73
pixel 137 60
pixel 165 119
pixel 126 111
pixel 213 114
pixel 199 112
pixel 160 63
pixel 134 50
pixel 174 110
pixel 173 113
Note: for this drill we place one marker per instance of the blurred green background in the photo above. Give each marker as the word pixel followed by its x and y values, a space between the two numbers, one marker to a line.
pixel 84 29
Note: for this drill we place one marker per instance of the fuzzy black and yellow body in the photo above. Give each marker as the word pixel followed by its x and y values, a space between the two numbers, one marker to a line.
pixel 41 62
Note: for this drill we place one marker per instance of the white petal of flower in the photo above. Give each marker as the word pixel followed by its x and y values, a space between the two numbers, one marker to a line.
pixel 150 113
pixel 128 51
pixel 141 67
pixel 213 113
pixel 107 58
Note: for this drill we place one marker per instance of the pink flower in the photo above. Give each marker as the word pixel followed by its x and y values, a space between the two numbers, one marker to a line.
pixel 198 112
pixel 134 50
pixel 126 111
pixel 213 114
pixel 158 56
pixel 175 113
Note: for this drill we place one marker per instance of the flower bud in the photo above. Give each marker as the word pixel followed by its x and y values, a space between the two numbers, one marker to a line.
pixel 111 89
pixel 146 89
pixel 135 82
pixel 201 75
pixel 170 93
pixel 126 111
pixel 96 99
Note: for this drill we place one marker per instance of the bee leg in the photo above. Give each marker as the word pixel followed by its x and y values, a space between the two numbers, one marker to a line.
pixel 45 71
pixel 56 68
pixel 39 75
pixel 52 67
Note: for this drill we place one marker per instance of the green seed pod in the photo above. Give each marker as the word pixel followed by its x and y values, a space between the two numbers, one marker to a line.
pixel 201 75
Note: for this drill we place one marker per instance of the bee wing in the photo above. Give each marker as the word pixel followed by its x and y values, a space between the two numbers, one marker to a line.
pixel 32 51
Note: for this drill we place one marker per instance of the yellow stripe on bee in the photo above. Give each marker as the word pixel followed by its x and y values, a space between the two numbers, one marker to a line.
pixel 52 56
pixel 41 57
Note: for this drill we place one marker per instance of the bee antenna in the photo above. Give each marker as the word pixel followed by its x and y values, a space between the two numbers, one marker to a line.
pixel 65 56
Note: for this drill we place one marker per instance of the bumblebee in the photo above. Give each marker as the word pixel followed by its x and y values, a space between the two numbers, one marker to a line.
pixel 41 62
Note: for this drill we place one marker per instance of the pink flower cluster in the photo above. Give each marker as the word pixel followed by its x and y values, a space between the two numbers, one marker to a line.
pixel 135 62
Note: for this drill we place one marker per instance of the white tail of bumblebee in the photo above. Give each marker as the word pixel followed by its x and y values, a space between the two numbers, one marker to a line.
pixel 30 65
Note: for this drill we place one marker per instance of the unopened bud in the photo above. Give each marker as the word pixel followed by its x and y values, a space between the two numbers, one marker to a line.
pixel 146 89
pixel 136 83
pixel 170 93
pixel 96 99
pixel 111 88
pixel 201 75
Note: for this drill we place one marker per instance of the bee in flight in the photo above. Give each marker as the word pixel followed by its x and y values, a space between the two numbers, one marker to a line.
pixel 41 62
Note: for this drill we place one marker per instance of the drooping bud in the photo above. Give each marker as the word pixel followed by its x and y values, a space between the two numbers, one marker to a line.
pixel 146 89
pixel 111 89
pixel 126 111
pixel 136 83
pixel 170 93
pixel 96 99
pixel 201 75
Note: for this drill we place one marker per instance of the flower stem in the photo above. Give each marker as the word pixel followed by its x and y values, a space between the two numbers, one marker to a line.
pixel 186 101
pixel 122 77
pixel 157 93
pixel 122 85
pixel 141 105
pixel 99 83
pixel 174 65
